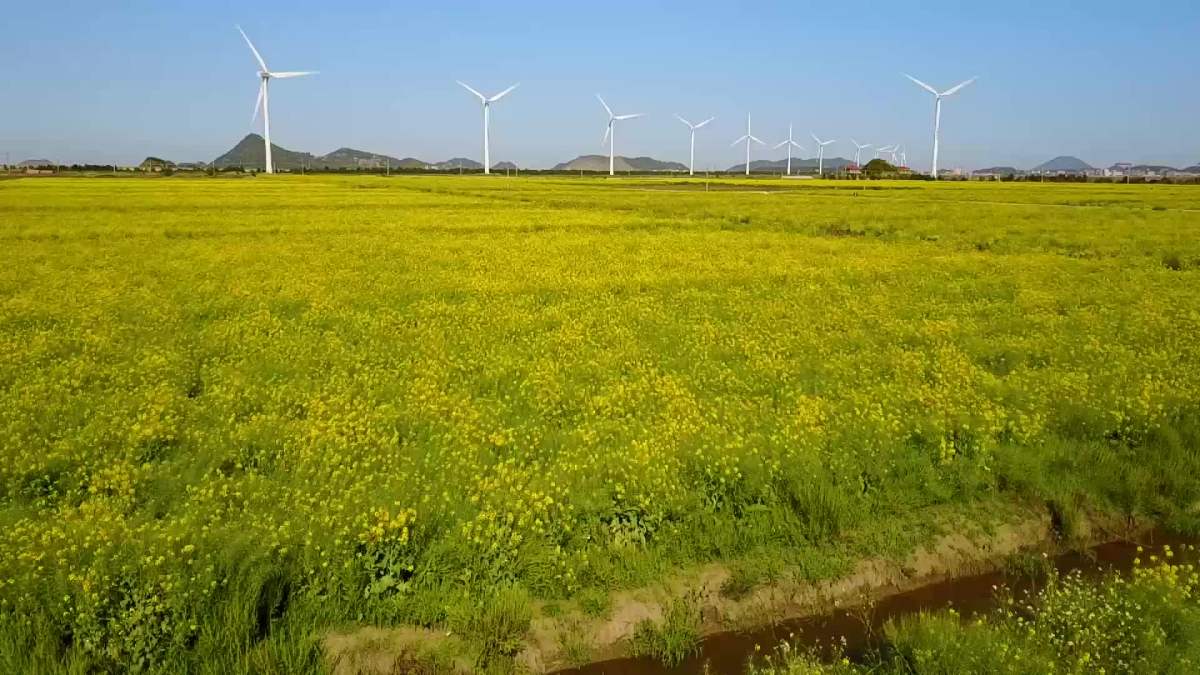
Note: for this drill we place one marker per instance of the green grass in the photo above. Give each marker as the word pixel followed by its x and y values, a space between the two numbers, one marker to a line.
pixel 236 414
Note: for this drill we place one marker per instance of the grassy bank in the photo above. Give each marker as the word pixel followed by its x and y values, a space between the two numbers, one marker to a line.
pixel 238 414
pixel 1144 622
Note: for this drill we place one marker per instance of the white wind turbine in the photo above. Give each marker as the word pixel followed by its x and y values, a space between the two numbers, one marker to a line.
pixel 610 134
pixel 858 151
pixel 790 144
pixel 894 151
pixel 937 112
pixel 487 106
pixel 266 75
pixel 749 138
pixel 820 153
pixel 693 127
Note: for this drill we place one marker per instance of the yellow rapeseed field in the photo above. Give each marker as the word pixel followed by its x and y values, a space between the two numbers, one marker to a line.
pixel 237 412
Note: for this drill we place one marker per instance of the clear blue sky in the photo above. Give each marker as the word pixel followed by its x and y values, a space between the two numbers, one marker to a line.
pixel 1107 81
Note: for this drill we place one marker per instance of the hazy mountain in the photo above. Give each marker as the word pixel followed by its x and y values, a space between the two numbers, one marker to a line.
pixel 1192 169
pixel 456 163
pixel 35 163
pixel 1152 168
pixel 349 158
pixel 600 163
pixel 1062 163
pixel 504 166
pixel 250 154
pixel 999 170
pixel 155 164
pixel 411 163
pixel 798 165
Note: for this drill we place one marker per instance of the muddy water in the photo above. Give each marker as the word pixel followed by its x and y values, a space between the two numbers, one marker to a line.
pixel 861 629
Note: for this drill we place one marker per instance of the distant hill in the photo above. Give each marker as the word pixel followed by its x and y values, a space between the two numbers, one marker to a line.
pixel 999 171
pixel 504 166
pixel 155 164
pixel 411 163
pixel 250 154
pixel 1062 163
pixel 600 163
pixel 1153 168
pixel 349 158
pixel 798 165
pixel 1192 169
pixel 35 163
pixel 456 163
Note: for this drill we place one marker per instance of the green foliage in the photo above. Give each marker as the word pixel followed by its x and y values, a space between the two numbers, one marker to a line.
pixel 675 637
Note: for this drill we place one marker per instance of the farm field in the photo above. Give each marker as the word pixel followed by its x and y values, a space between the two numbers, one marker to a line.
pixel 239 414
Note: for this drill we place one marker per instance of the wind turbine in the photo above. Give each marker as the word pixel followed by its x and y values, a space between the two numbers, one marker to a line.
pixel 749 138
pixel 693 127
pixel 858 151
pixel 937 111
pixel 610 134
pixel 487 106
pixel 903 157
pixel 266 75
pixel 820 153
pixel 893 151
pixel 790 144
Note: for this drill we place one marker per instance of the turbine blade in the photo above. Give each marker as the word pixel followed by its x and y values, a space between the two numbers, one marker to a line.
pixel 257 56
pixel 921 84
pixel 689 124
pixel 607 133
pixel 258 103
pixel 815 139
pixel 468 88
pixel 738 141
pixel 606 108
pixel 756 140
pixel 296 73
pixel 954 90
pixel 779 145
pixel 504 93
pixel 705 122
pixel 798 146
pixel 628 117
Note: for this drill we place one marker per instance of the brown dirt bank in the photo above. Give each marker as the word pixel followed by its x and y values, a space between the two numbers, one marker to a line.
pixel 552 643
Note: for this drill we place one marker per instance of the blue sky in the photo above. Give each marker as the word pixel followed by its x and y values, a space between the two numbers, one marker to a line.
pixel 1106 81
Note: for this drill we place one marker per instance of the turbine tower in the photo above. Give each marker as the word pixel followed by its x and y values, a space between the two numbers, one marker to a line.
pixel 693 127
pixel 858 152
pixel 610 134
pixel 749 138
pixel 487 106
pixel 266 75
pixel 820 153
pixel 937 112
pixel 790 144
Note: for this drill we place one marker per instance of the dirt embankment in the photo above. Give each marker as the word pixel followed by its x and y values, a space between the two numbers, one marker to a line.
pixel 961 550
